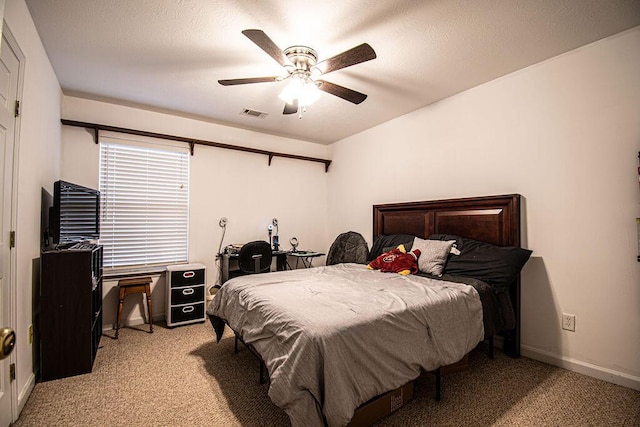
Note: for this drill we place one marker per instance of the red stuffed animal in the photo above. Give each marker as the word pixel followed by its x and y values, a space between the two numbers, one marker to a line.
pixel 397 261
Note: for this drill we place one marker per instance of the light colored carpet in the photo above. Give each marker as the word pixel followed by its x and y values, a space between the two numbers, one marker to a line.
pixel 181 377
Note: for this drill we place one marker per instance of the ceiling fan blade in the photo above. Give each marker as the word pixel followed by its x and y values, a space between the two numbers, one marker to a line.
pixel 265 43
pixel 232 82
pixel 353 56
pixel 291 108
pixel 342 92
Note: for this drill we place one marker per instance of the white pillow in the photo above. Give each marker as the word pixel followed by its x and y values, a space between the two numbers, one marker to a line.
pixel 433 254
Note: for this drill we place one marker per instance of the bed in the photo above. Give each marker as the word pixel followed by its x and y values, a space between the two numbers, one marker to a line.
pixel 334 337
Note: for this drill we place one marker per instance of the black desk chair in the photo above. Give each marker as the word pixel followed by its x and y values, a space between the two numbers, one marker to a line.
pixel 254 257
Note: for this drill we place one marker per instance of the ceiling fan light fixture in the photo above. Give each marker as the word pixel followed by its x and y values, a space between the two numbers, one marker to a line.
pixel 300 88
pixel 291 90
pixel 309 94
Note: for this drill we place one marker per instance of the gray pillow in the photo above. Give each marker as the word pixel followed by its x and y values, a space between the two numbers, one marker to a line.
pixel 433 254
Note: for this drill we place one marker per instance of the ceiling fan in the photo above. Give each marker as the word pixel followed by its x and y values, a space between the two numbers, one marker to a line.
pixel 303 68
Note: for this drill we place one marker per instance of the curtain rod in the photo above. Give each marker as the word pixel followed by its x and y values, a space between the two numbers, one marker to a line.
pixel 95 127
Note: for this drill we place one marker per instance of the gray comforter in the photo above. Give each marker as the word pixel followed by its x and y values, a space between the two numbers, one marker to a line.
pixel 334 337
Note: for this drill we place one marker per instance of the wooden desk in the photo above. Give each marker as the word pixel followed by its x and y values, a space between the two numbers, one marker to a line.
pixel 226 259
pixel 306 257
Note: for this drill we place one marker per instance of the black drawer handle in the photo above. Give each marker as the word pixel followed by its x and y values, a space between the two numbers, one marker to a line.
pixel 188 309
pixel 188 274
pixel 188 291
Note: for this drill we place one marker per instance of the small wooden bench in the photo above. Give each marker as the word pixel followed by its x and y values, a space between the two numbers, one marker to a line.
pixel 132 286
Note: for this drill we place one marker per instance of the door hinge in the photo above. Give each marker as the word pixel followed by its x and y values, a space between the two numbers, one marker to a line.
pixel 17 112
pixel 12 239
pixel 12 372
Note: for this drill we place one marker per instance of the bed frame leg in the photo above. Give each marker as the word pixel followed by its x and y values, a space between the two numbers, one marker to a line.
pixel 438 384
pixel 491 351
pixel 262 372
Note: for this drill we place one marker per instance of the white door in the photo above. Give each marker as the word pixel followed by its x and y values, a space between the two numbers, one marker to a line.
pixel 9 67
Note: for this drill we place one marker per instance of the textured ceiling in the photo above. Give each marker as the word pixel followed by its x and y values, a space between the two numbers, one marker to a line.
pixel 167 55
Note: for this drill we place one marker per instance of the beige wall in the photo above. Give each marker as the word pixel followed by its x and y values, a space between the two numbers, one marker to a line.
pixel 565 134
pixel 239 186
pixel 38 167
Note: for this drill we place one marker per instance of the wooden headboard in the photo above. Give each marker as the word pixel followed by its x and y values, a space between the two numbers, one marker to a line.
pixel 492 219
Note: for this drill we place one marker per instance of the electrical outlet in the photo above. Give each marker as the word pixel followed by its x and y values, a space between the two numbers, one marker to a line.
pixel 30 332
pixel 569 322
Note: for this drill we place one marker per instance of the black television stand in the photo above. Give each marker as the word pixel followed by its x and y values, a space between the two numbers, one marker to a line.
pixel 70 303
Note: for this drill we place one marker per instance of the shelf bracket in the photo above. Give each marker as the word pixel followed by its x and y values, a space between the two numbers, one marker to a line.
pixel 96 134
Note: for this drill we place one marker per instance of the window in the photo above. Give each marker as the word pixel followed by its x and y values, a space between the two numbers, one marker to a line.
pixel 145 205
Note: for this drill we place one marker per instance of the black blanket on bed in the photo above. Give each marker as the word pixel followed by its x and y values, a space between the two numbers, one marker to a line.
pixel 497 311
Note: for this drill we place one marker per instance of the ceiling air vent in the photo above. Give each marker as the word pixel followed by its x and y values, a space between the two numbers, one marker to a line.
pixel 253 113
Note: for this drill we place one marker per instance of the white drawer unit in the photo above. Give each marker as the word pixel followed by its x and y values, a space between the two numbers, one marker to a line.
pixel 186 294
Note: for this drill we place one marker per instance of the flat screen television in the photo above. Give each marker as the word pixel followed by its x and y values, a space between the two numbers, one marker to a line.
pixel 75 214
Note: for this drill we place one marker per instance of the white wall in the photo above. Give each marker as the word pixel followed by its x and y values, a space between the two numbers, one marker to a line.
pixel 38 167
pixel 237 185
pixel 565 134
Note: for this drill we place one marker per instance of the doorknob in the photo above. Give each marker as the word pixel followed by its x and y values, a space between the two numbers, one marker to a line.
pixel 7 342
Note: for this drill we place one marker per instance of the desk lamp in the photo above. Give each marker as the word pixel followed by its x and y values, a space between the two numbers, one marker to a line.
pixel 294 244
pixel 276 243
pixel 223 224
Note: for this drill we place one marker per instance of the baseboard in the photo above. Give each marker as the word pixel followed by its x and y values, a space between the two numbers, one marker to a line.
pixel 594 371
pixel 24 394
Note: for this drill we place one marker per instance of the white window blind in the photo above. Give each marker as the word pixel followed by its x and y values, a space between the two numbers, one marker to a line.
pixel 145 205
